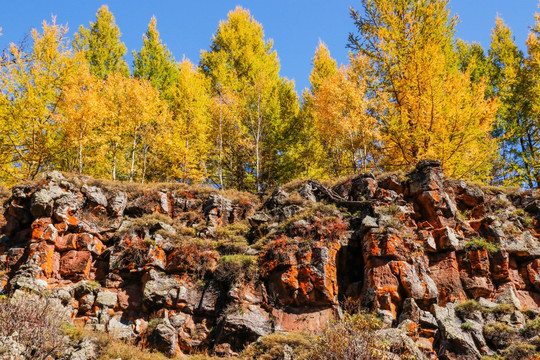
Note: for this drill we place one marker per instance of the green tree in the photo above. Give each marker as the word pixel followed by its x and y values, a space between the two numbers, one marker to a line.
pixel 102 46
pixel 509 82
pixel 154 62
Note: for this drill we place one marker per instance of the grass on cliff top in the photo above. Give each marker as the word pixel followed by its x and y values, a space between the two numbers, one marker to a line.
pixel 137 189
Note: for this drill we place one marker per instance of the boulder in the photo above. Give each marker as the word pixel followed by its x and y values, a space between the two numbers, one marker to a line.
pixel 95 195
pixel 165 339
pixel 454 342
pixel 106 298
pixel 244 326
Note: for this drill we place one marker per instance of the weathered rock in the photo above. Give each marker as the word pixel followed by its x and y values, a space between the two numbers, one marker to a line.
pixel 400 343
pixel 523 245
pixel 74 264
pixel 95 195
pixel 454 343
pixel 107 298
pixel 244 326
pixel 160 290
pixel 165 339
pixel 43 201
pixel 508 297
pixel 121 329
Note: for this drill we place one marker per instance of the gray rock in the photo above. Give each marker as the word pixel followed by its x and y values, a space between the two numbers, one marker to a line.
pixel 25 279
pixel 307 192
pixel 486 303
pixel 117 202
pixel 398 339
pixel 159 288
pixel 95 195
pixel 121 329
pixel 454 341
pixel 523 245
pixel 164 338
pixel 10 349
pixel 259 218
pixel 43 200
pixel 107 298
pixel 508 297
pixel 68 203
pixel 369 223
pixel 85 349
pixel 244 326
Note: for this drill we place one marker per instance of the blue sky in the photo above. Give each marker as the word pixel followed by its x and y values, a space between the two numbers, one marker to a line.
pixel 295 25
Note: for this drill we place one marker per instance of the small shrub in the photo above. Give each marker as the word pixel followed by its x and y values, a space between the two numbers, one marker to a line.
pixel 352 337
pixel 113 349
pixel 468 307
pixel 467 326
pixel 151 220
pixel 480 244
pixel 500 334
pixel 524 217
pixel 75 333
pixel 501 309
pixel 153 323
pixel 34 322
pixel 279 346
pixel 233 268
pixel 520 350
pixel 231 239
pixel 531 328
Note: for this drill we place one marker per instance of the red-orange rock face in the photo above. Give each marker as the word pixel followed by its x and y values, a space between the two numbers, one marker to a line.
pixel 221 270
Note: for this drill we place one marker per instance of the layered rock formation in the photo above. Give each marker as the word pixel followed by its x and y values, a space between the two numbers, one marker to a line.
pixel 190 269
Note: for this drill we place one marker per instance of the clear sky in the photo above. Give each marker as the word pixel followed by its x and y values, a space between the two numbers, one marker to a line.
pixel 295 25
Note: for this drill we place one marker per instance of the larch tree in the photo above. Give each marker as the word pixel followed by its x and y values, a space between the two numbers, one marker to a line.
pixel 81 110
pixel 342 118
pixel 310 150
pixel 31 87
pixel 188 142
pixel 102 46
pixel 154 62
pixel 509 82
pixel 526 131
pixel 241 62
pixel 425 106
pixel 134 113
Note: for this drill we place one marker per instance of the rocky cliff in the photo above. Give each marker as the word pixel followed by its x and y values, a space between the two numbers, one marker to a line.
pixel 447 265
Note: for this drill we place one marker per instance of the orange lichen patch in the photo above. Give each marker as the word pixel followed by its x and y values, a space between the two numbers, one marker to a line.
pixel 157 257
pixel 479 262
pixel 39 227
pixel 47 260
pixel 71 221
pixel 61 227
pixel 289 278
pixel 392 245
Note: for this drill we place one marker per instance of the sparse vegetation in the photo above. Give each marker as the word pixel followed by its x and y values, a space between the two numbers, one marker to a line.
pixel 34 322
pixel 234 268
pixel 352 337
pixel 478 243
pixel 500 334
pixel 467 326
pixel 520 350
pixel 279 346
pixel 531 328
pixel 468 307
